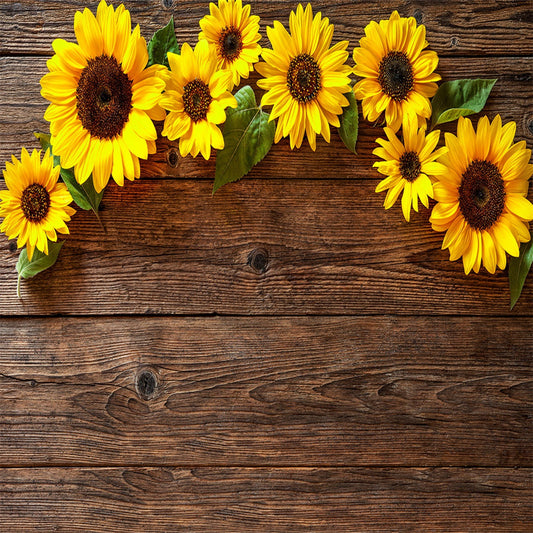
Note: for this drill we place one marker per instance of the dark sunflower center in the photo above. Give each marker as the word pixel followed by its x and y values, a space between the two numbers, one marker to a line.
pixel 410 166
pixel 303 78
pixel 196 99
pixel 396 75
pixel 104 97
pixel 482 194
pixel 35 202
pixel 230 43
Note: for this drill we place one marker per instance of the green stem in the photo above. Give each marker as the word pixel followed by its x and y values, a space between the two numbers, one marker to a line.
pixel 95 211
pixel 99 220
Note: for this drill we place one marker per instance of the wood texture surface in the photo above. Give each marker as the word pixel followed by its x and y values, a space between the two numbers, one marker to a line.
pixel 115 500
pixel 283 356
pixel 266 391
pixel 325 247
pixel 488 27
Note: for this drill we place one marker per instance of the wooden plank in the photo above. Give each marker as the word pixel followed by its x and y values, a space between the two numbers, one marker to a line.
pixel 275 500
pixel 22 109
pixel 257 247
pixel 479 27
pixel 403 391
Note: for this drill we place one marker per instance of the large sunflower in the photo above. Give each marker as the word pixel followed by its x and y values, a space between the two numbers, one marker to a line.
pixel 398 73
pixel 304 78
pixel 482 202
pixel 103 100
pixel 196 95
pixel 35 205
pixel 409 165
pixel 234 34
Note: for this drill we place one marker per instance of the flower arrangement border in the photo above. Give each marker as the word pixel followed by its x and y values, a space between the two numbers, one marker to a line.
pixel 107 90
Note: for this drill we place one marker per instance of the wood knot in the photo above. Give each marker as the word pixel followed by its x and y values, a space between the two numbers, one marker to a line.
pixel 146 384
pixel 167 4
pixel 172 157
pixel 454 41
pixel 529 127
pixel 258 260
pixel 419 16
pixel 13 246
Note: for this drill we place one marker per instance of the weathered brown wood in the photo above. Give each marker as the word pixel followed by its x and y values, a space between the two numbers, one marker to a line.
pixel 22 109
pixel 328 391
pixel 322 247
pixel 478 27
pixel 275 500
pixel 412 415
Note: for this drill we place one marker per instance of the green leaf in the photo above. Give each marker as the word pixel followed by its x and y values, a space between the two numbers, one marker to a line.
pixel 459 98
pixel 163 41
pixel 518 270
pixel 39 262
pixel 248 136
pixel 44 140
pixel 349 127
pixel 83 194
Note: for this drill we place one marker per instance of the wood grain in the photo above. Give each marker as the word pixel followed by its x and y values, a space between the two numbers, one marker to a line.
pixel 322 248
pixel 363 382
pixel 479 27
pixel 403 391
pixel 22 109
pixel 118 500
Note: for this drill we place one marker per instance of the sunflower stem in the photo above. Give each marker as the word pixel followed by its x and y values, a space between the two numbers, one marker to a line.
pixel 99 220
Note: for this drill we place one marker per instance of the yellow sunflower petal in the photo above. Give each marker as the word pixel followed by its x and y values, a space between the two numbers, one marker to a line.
pixel 34 206
pixel 233 34
pixel 304 107
pixel 88 33
pixel 520 206
pixel 407 200
pixel 196 97
pixel 390 48
pixel 109 61
pixel 490 191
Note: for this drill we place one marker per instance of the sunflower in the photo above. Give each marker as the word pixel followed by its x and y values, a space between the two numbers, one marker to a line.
pixel 196 95
pixel 103 100
pixel 398 73
pixel 481 198
pixel 35 205
pixel 409 165
pixel 304 78
pixel 235 36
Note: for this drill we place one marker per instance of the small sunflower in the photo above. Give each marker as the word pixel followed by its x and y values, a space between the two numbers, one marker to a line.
pixel 103 100
pixel 35 205
pixel 304 78
pixel 398 73
pixel 409 165
pixel 235 36
pixel 482 202
pixel 196 97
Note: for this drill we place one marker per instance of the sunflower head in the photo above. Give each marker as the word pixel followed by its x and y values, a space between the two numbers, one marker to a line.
pixel 410 166
pixel 398 74
pixel 103 99
pixel 35 205
pixel 234 34
pixel 481 197
pixel 304 77
pixel 196 97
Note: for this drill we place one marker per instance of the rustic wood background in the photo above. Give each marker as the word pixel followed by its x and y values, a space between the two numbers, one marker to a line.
pixel 283 356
